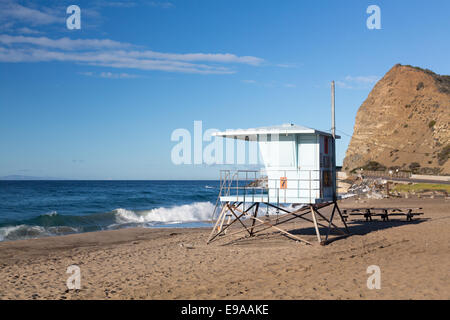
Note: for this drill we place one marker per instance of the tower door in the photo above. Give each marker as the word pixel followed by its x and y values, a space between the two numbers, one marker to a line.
pixel 307 152
pixel 308 166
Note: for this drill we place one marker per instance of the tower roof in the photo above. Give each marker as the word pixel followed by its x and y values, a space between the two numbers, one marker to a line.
pixel 289 128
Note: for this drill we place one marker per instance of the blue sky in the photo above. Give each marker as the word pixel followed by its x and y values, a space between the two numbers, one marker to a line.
pixel 101 102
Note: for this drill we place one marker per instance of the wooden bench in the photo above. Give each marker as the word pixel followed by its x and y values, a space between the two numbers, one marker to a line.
pixel 384 213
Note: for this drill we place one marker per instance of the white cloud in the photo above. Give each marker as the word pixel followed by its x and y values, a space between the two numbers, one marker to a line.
pixel 362 79
pixel 162 4
pixel 110 75
pixel 357 82
pixel 87 73
pixel 50 15
pixel 16 13
pixel 110 53
pixel 26 30
pixel 122 75
pixel 97 52
pixel 62 43
pixel 286 65
pixel 115 4
pixel 209 57
pixel 13 11
pixel 272 84
pixel 343 84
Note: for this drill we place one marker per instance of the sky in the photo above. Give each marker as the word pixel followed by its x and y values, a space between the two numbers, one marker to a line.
pixel 102 101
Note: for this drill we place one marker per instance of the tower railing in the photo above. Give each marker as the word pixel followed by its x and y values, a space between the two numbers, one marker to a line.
pixel 258 185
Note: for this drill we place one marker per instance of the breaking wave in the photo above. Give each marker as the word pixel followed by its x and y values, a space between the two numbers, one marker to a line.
pixel 21 232
pixel 198 211
pixel 53 223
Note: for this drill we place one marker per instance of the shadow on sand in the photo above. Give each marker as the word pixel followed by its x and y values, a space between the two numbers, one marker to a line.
pixel 357 227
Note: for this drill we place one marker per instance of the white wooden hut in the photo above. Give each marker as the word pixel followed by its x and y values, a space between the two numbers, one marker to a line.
pixel 299 168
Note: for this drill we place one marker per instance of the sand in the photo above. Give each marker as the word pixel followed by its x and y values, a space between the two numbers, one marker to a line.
pixel 414 260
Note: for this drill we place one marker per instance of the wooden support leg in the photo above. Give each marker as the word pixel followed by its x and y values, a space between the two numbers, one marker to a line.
pixel 228 223
pixel 271 222
pixel 255 214
pixel 329 225
pixel 239 218
pixel 282 231
pixel 226 208
pixel 315 223
pixel 219 218
pixel 331 220
pixel 231 209
pixel 301 216
pixel 342 218
pixel 219 229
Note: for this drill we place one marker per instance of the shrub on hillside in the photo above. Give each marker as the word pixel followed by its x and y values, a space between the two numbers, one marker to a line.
pixel 431 124
pixel 444 155
pixel 374 166
pixel 414 167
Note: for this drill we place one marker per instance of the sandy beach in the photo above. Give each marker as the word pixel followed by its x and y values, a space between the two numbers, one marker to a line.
pixel 414 260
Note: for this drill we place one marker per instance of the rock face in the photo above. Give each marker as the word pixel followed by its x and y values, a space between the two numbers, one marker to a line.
pixel 403 124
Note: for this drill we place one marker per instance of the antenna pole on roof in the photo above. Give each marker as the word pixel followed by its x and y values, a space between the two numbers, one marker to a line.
pixel 333 133
pixel 333 124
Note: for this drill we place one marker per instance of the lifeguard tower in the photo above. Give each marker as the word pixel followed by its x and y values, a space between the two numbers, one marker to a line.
pixel 299 169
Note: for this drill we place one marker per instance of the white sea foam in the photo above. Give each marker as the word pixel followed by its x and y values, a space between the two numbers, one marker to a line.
pixel 30 232
pixel 198 211
pixel 51 213
pixel 20 232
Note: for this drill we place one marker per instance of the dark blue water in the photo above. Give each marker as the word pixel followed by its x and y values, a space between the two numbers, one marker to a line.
pixel 31 209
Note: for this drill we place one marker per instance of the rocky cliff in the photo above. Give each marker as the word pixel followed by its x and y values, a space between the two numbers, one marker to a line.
pixel 403 124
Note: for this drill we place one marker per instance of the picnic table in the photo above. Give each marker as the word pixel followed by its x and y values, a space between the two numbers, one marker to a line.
pixel 384 213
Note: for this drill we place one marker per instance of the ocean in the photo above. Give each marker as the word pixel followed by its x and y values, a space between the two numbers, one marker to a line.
pixel 34 209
